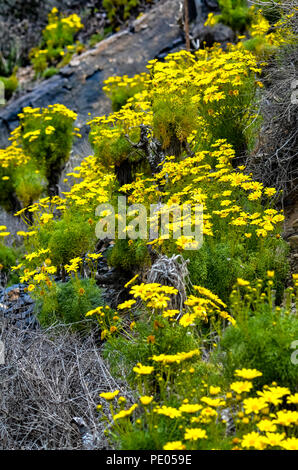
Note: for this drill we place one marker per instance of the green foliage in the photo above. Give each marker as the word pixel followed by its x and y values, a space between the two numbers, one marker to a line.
pixel 129 256
pixel 258 46
pixel 272 11
pixel 67 238
pixel 236 123
pixel 218 265
pixel 68 302
pixel 235 13
pixel 262 342
pixel 166 341
pixel 57 46
pixel 110 145
pixel 7 189
pixel 8 257
pixel 174 119
pixel 47 135
pixel 95 38
pixel 10 85
pixel 50 72
pixel 20 180
pixel 119 10
pixel 29 183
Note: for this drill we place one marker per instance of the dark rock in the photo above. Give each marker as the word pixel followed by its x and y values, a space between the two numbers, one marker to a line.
pixel 212 5
pixel 18 307
pixel 218 33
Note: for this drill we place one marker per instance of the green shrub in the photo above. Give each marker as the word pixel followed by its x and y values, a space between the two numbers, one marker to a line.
pixel 95 38
pixel 110 144
pixel 8 256
pixel 57 42
pixel 261 339
pixel 129 256
pixel 67 238
pixel 20 179
pixel 50 72
pixel 29 183
pixel 68 302
pixel 120 89
pixel 218 265
pixel 235 13
pixel 174 120
pixel 119 10
pixel 46 135
pixel 10 85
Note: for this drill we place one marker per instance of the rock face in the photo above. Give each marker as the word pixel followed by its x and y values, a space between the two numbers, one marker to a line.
pixel 218 33
pixel 16 307
pixel 79 85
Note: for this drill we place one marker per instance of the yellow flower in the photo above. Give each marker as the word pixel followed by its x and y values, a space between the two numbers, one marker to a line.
pixel 109 395
pixel 290 444
pixel 175 445
pixel 168 411
pixel 248 374
pixel 242 282
pixel 254 405
pixel 143 370
pixel 189 408
pixel 194 434
pixel 214 390
pixel 124 413
pixel 104 333
pixel 146 400
pixel 241 387
pixel 266 425
pixel 127 304
pixel 216 402
pixel 293 399
pixel 274 439
pixel 253 440
pixel 187 320
pixel 286 418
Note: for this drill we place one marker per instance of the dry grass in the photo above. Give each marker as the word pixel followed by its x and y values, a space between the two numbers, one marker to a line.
pixel 49 390
pixel 274 162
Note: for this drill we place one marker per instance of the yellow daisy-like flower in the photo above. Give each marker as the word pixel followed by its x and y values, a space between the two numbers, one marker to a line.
pixel 253 440
pixel 175 445
pixel 125 413
pixel 241 387
pixel 248 374
pixel 127 304
pixel 266 425
pixel 109 395
pixel 168 411
pixel 189 408
pixel 293 399
pixel 290 444
pixel 143 370
pixel 254 405
pixel 187 320
pixel 145 400
pixel 194 434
